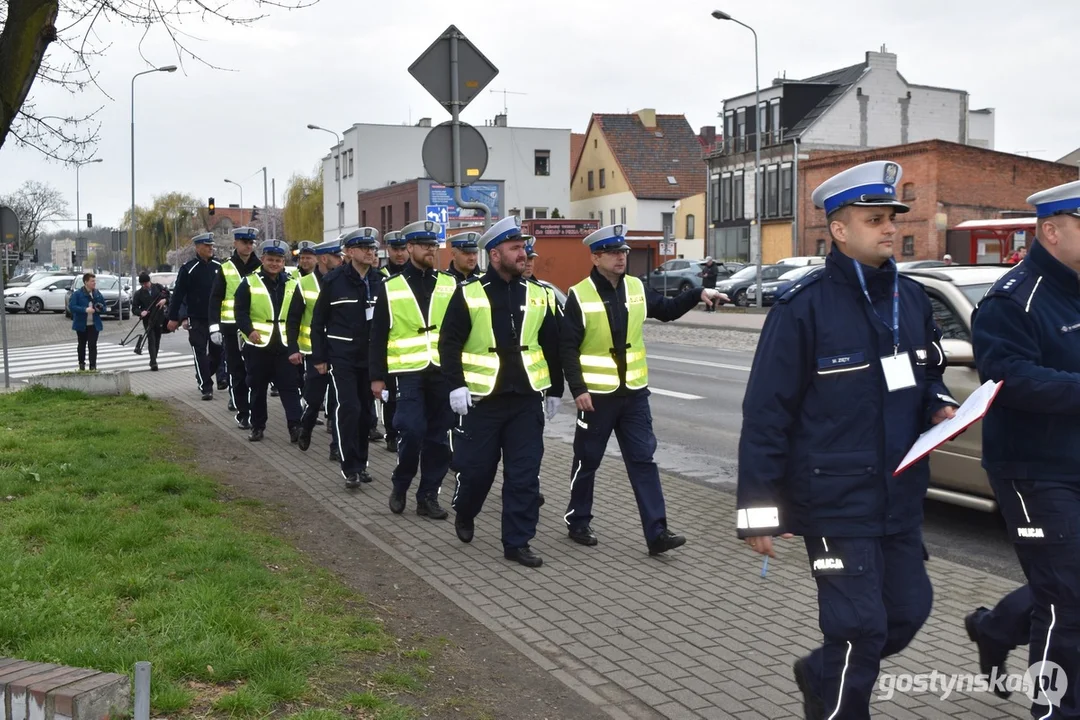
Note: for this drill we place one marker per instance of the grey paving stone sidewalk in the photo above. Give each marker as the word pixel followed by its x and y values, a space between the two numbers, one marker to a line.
pixel 694 634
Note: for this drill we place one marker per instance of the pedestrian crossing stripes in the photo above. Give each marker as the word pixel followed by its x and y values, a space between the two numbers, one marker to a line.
pixel 63 357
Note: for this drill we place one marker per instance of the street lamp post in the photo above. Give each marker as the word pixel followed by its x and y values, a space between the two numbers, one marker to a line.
pixel 78 211
pixel 340 172
pixel 241 198
pixel 131 237
pixel 759 184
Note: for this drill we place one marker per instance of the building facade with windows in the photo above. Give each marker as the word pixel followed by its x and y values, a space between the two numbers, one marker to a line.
pixel 532 163
pixel 634 169
pixel 858 107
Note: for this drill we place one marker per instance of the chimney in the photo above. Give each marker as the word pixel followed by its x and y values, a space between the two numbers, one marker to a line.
pixel 647 117
pixel 424 122
pixel 500 120
pixel 708 135
pixel 882 60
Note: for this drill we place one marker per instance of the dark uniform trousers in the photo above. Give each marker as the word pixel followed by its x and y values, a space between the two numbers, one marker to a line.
pixel 264 367
pixel 873 596
pixel 354 415
pixel 631 420
pixel 207 355
pixel 1008 624
pixel 423 420
pixel 389 408
pixel 510 427
pixel 222 366
pixel 238 373
pixel 1042 517
pixel 318 392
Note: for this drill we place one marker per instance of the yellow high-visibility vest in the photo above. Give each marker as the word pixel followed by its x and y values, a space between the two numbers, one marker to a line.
pixel 232 281
pixel 598 367
pixel 309 288
pixel 412 343
pixel 262 310
pixel 479 360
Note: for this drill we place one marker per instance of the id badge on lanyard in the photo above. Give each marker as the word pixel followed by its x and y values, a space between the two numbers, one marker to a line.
pixel 897 368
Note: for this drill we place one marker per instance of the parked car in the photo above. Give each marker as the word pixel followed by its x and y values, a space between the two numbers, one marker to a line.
pixel 165 279
pixel 918 264
pixel 109 286
pixel 803 260
pixel 735 287
pixel 775 288
pixel 956 473
pixel 45 293
pixel 27 278
pixel 676 276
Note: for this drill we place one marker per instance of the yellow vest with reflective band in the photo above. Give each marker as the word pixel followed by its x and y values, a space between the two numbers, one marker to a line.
pixel 262 310
pixel 479 359
pixel 413 344
pixel 598 367
pixel 232 281
pixel 385 271
pixel 309 288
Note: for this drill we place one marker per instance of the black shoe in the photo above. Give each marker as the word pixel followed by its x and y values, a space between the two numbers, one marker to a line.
pixel 244 424
pixel 365 477
pixel 991 657
pixel 813 707
pixel 525 556
pixel 153 367
pixel 256 435
pixel 542 500
pixel 391 444
pixel 222 385
pixel 429 507
pixel 304 441
pixel 352 481
pixel 232 406
pixel 294 433
pixel 335 456
pixel 463 528
pixel 82 368
pixel 397 502
pixel 208 395
pixel 374 434
pixel 274 392
pixel 583 536
pixel 665 541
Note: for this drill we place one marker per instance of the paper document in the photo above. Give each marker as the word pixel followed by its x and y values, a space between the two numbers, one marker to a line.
pixel 973 410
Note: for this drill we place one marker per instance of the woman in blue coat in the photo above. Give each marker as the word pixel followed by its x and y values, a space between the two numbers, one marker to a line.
pixel 86 303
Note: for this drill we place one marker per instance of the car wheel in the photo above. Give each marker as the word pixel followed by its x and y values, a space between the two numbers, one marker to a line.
pixel 34 305
pixel 685 285
pixel 740 299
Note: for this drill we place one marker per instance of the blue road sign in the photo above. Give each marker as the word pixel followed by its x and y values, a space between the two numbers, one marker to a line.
pixel 439 214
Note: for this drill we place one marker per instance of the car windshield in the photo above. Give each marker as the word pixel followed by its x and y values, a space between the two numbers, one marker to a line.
pixel 747 273
pixel 974 293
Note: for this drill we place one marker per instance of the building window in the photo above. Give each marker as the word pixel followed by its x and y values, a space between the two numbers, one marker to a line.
pixel 612 216
pixel 408 213
pixel 389 218
pixel 774 126
pixel 351 163
pixel 591 187
pixel 820 247
pixel 909 191
pixel 909 245
pixel 763 122
pixel 603 178
pixel 740 130
pixel 690 229
pixel 738 197
pixel 541 213
pixel 528 213
pixel 729 125
pixel 667 222
pixel 382 219
pixel 785 190
pixel 542 162
pixel 341 214
pixel 772 191
pixel 337 167
pixel 363 218
pixel 592 215
pixel 725 198
pixel 622 215
pixel 715 199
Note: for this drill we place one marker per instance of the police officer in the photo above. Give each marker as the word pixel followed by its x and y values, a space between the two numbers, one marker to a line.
pixel 269 308
pixel 193 284
pixel 846 376
pixel 499 349
pixel 530 269
pixel 1026 332
pixel 306 262
pixel 397 255
pixel 223 316
pixel 603 356
pixel 317 389
pixel 340 333
pixel 405 344
pixel 464 254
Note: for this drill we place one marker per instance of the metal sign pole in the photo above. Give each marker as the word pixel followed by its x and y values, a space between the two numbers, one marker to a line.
pixel 455 111
pixel 3 323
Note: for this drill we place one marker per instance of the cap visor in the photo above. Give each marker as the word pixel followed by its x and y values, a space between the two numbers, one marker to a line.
pixel 900 207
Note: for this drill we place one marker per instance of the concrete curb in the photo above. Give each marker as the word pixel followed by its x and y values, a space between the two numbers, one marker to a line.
pixel 110 382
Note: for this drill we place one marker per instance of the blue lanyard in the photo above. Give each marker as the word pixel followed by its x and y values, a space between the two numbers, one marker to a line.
pixel 895 327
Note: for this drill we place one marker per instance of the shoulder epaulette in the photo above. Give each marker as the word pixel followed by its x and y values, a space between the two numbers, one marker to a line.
pixel 1009 283
pixel 470 279
pixel 806 280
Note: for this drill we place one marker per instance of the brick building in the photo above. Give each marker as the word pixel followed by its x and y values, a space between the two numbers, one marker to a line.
pixel 944 183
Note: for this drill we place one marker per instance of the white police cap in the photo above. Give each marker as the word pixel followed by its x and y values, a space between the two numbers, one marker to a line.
pixel 328 247
pixel 508 228
pixel 1060 200
pixel 394 238
pixel 467 241
pixel 274 247
pixel 868 185
pixel 203 239
pixel 361 237
pixel 245 233
pixel 422 231
pixel 305 246
pixel 609 237
pixel 530 246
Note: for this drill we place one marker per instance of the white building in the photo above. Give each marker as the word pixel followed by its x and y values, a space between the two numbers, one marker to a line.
pixel 534 164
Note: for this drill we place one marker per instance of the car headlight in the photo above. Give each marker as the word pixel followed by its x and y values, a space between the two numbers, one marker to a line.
pixel 17 293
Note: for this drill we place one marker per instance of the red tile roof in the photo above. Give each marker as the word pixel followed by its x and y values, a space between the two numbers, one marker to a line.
pixel 577 145
pixel 648 156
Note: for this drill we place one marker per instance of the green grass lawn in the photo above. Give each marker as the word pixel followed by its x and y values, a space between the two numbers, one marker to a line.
pixel 115 549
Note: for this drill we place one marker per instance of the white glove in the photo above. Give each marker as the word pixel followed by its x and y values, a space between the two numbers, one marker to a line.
pixel 551 406
pixel 385 396
pixel 460 400
pixel 215 337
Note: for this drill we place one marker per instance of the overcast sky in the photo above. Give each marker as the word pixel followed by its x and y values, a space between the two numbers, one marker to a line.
pixel 346 61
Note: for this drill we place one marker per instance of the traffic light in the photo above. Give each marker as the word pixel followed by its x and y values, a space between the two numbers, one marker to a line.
pixel 210 206
pixel 254 214
pixel 35 256
pixel 89 220
pixel 72 258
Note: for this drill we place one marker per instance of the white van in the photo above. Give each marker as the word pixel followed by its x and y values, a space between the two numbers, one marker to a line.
pixel 803 260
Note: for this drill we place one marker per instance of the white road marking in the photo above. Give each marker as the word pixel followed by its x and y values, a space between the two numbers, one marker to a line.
pixel 703 363
pixel 672 393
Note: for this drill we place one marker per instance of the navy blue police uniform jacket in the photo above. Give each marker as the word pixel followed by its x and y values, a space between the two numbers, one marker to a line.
pixel 340 327
pixel 821 434
pixel 1026 331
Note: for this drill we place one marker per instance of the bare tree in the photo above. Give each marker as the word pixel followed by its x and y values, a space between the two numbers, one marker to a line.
pixel 54 42
pixel 36 203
